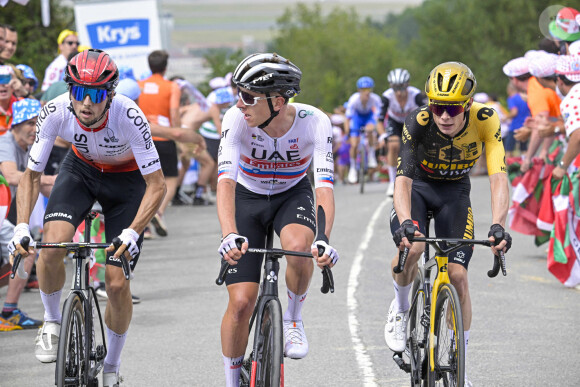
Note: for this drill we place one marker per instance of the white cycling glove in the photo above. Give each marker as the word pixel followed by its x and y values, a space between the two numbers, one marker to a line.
pixel 20 231
pixel 129 237
pixel 328 249
pixel 229 243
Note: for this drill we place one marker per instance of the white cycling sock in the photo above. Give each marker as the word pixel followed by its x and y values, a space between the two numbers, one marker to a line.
pixel 51 304
pixel 402 296
pixel 295 303
pixel 352 162
pixel 392 174
pixel 115 345
pixel 466 340
pixel 233 367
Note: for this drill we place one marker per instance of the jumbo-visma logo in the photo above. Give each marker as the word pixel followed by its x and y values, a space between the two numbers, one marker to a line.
pixel 119 33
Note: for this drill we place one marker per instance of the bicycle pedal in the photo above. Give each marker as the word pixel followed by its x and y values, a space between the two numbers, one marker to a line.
pixel 398 358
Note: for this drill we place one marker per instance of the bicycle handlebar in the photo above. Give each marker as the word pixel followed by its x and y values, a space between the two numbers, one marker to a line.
pixel 25 243
pixel 327 277
pixel 498 262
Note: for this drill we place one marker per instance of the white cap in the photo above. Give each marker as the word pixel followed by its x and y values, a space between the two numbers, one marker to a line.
pixel 516 67
pixel 569 65
pixel 544 65
pixel 574 48
pixel 481 97
pixel 218 82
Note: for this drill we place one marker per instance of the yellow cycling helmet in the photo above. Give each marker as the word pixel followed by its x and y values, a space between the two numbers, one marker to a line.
pixel 450 82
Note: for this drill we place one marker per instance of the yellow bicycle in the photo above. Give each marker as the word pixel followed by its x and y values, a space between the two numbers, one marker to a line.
pixel 435 352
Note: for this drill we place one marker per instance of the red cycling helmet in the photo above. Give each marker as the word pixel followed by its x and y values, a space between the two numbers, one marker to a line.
pixel 92 68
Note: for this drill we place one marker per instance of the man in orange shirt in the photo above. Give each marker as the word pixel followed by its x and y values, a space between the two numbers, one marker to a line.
pixel 543 101
pixel 159 101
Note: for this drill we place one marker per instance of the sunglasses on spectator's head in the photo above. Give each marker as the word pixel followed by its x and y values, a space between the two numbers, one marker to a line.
pixel 453 109
pixel 80 92
pixel 249 100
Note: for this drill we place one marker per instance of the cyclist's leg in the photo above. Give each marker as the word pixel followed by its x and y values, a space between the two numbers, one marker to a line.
pixel 242 280
pixel 354 139
pixel 455 220
pixel 395 327
pixel 295 222
pixel 70 200
pixel 119 212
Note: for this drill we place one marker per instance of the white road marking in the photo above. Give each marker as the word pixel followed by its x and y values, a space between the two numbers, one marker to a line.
pixel 362 358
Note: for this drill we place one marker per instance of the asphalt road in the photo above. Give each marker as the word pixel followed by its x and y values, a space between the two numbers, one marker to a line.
pixel 524 330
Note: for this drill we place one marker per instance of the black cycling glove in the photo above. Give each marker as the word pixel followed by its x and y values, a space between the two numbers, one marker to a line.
pixel 505 235
pixel 400 232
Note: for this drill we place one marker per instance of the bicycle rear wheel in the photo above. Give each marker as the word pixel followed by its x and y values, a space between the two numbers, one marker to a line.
pixel 417 333
pixel 449 351
pixel 270 355
pixel 71 361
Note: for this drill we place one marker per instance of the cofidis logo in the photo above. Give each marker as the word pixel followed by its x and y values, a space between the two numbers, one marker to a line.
pixel 119 33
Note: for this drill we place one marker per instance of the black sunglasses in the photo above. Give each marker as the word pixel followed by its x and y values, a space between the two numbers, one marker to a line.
pixel 72 43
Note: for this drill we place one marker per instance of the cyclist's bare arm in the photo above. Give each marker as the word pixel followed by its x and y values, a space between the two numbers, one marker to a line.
pixel 325 198
pixel 214 112
pixel 27 194
pixel 226 209
pixel 151 201
pixel 500 200
pixel 176 134
pixel 402 201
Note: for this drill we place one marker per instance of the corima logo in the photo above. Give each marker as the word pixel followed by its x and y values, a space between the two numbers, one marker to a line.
pixel 128 32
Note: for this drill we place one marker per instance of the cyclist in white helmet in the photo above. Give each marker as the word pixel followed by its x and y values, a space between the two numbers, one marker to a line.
pixel 398 101
pixel 267 145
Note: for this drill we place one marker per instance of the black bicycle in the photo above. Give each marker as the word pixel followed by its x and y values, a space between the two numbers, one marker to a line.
pixel 81 355
pixel 264 366
pixel 435 352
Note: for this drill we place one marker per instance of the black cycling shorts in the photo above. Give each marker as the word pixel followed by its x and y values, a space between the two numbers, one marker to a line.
pixel 394 128
pixel 77 187
pixel 255 212
pixel 452 213
pixel 212 145
pixel 167 151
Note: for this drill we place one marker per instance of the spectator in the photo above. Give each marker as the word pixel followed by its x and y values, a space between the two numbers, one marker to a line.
pixel 518 112
pixel 14 147
pixel 565 28
pixel 7 98
pixel 55 89
pixel 68 43
pixel 159 101
pixel 221 100
pixel 10 44
pixel 30 82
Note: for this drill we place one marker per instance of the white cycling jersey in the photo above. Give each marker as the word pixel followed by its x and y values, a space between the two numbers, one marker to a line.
pixel 355 106
pixel 123 143
pixel 397 112
pixel 267 165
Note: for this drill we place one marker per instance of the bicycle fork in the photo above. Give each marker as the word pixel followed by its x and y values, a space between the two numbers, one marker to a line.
pixel 441 278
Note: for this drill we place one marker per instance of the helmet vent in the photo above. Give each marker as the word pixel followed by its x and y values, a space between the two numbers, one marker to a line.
pixel 468 87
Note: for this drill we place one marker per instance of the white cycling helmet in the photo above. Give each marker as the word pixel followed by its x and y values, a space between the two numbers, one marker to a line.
pixel 398 76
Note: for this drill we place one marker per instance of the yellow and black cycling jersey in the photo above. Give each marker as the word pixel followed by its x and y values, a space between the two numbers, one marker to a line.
pixel 427 153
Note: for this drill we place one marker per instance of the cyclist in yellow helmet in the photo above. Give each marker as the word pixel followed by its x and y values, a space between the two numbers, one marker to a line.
pixel 441 142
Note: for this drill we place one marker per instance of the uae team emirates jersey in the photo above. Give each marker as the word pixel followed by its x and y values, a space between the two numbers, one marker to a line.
pixel 123 143
pixel 267 165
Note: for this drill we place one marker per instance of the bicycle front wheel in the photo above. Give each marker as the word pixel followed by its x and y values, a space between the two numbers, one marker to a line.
pixel 417 333
pixel 270 353
pixel 71 362
pixel 361 169
pixel 449 351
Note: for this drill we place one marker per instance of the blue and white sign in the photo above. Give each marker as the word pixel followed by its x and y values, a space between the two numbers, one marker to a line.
pixel 130 32
pixel 127 30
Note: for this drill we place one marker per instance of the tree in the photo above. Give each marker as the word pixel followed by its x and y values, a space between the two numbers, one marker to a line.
pixel 221 62
pixel 37 45
pixel 332 52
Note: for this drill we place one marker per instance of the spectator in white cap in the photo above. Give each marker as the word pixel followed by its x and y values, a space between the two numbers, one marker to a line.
pixel 568 82
pixel 218 82
pixel 574 48
pixel 544 105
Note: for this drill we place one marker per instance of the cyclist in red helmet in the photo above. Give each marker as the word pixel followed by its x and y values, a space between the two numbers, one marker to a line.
pixel 113 161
